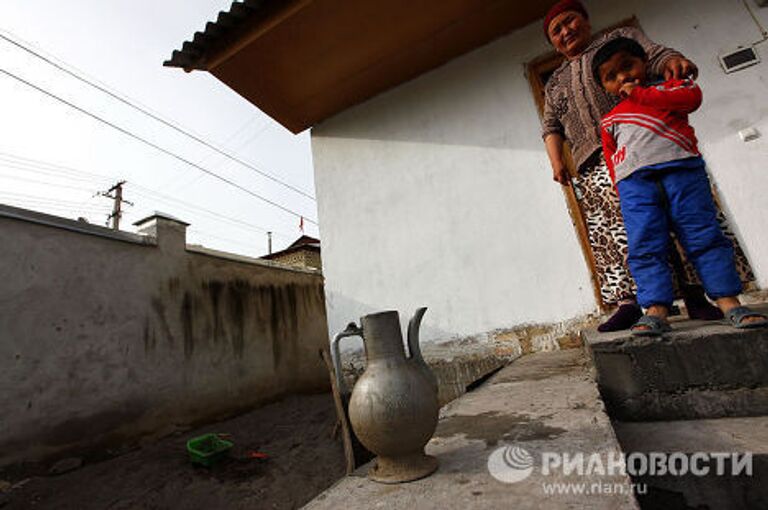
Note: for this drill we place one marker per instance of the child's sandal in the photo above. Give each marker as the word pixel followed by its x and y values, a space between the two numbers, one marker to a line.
pixel 737 315
pixel 652 326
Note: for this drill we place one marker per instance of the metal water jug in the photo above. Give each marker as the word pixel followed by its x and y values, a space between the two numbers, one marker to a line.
pixel 393 409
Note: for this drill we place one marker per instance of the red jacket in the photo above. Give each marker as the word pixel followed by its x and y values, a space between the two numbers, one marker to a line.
pixel 650 127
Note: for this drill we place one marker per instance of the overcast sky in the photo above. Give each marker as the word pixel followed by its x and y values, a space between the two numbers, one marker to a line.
pixel 122 45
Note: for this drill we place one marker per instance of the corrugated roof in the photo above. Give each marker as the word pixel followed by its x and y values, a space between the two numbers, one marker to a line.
pixel 228 26
pixel 303 61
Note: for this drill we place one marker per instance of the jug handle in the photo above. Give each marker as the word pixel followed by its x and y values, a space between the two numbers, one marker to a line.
pixel 413 334
pixel 350 330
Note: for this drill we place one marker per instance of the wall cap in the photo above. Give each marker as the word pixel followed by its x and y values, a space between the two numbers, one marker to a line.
pixel 157 215
pixel 202 250
pixel 48 220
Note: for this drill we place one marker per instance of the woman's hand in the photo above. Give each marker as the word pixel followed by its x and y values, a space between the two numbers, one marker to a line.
pixel 561 174
pixel 679 68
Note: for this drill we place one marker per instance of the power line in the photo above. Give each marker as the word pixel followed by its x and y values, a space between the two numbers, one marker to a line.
pixel 36 202
pixel 220 238
pixel 53 169
pixel 154 116
pixel 50 173
pixel 46 165
pixel 46 205
pixel 151 144
pixel 208 156
pixel 233 149
pixel 154 195
pixel 44 183
pixel 39 198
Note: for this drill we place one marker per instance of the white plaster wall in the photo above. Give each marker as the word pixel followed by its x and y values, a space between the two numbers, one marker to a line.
pixel 439 193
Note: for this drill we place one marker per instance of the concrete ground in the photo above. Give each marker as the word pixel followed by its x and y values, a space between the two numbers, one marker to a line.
pixel 545 402
pixel 294 432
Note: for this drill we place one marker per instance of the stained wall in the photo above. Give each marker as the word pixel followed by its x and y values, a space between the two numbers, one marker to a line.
pixel 105 337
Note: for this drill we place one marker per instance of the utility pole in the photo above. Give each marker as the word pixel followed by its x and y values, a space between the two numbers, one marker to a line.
pixel 269 242
pixel 118 202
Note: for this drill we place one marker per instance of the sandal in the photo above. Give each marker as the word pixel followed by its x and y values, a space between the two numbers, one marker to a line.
pixel 656 326
pixel 737 315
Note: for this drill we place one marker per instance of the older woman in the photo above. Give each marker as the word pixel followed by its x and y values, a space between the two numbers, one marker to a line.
pixel 574 105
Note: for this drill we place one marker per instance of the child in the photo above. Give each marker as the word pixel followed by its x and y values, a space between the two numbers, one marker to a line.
pixel 653 157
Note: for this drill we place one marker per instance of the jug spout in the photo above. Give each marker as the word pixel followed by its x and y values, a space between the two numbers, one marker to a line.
pixel 413 334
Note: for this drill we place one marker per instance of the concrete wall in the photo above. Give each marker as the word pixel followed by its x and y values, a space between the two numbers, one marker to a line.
pixel 439 192
pixel 105 337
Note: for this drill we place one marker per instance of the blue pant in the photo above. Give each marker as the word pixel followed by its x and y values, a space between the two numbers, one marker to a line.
pixel 655 201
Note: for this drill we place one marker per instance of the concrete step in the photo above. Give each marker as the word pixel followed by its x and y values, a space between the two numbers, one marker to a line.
pixel 700 370
pixel 702 491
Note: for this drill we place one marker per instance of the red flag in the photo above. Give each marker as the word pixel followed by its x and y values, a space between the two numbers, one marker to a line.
pixel 301 224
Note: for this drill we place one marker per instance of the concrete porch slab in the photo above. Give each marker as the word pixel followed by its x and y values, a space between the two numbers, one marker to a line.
pixel 544 402
pixel 700 370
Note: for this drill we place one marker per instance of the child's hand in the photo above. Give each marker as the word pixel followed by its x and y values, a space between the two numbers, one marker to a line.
pixel 627 88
